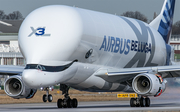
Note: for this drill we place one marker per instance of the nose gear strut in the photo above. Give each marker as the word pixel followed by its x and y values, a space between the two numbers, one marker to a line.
pixel 47 97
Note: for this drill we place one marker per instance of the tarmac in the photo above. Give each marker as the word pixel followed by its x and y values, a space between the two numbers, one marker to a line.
pixel 100 106
pixel 169 101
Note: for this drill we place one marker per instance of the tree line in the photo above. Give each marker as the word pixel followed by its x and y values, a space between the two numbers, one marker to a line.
pixel 142 17
pixel 176 28
pixel 15 15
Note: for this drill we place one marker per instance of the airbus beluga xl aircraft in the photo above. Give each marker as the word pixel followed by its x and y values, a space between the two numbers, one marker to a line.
pixel 93 51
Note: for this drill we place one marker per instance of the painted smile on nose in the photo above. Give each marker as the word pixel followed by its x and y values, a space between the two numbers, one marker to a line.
pixel 36 75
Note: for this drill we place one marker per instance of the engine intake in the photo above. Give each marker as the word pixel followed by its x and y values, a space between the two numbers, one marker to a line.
pixel 148 84
pixel 15 88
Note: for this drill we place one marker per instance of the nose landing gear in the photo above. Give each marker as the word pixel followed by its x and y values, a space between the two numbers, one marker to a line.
pixel 67 102
pixel 47 97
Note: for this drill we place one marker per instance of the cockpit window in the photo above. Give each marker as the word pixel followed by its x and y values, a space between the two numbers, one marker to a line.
pixel 49 68
pixel 31 66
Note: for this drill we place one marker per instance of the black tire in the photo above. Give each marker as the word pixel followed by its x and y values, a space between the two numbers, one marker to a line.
pixel 44 98
pixel 69 103
pixel 137 105
pixel 133 102
pixel 65 103
pixel 147 102
pixel 60 103
pixel 74 103
pixel 50 98
pixel 142 102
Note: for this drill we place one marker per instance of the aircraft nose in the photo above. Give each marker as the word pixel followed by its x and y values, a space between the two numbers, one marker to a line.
pixel 37 78
pixel 29 79
pixel 36 34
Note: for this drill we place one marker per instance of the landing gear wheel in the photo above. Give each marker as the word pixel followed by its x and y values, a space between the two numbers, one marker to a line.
pixel 64 103
pixel 133 102
pixel 44 98
pixel 50 98
pixel 60 103
pixel 47 97
pixel 138 105
pixel 74 103
pixel 69 103
pixel 142 102
pixel 147 102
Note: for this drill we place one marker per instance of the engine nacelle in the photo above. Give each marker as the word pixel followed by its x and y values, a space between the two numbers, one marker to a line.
pixel 15 88
pixel 148 84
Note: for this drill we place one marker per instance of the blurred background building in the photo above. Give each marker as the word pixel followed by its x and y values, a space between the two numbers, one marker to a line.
pixel 175 42
pixel 9 50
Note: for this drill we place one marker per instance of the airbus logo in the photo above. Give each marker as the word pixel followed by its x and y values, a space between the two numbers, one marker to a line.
pixel 38 32
pixel 124 45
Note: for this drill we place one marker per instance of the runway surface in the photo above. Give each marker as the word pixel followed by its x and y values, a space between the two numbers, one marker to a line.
pixel 169 101
pixel 103 106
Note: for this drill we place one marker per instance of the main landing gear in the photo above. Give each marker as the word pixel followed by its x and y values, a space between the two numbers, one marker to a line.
pixel 47 97
pixel 140 102
pixel 67 102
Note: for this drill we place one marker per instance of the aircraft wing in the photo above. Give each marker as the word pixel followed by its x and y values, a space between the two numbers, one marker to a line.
pixel 124 74
pixel 11 70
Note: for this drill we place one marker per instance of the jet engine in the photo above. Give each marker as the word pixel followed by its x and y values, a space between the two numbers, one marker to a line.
pixel 148 84
pixel 15 88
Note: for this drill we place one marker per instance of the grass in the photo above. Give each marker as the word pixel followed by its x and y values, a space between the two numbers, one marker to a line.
pixel 176 56
pixel 81 96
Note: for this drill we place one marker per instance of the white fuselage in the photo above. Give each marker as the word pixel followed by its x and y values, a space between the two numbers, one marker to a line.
pixel 57 35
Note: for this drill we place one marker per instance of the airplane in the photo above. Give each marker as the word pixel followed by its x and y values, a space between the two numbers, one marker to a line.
pixel 93 51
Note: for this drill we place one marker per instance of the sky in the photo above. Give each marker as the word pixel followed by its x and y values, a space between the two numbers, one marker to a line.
pixel 118 7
